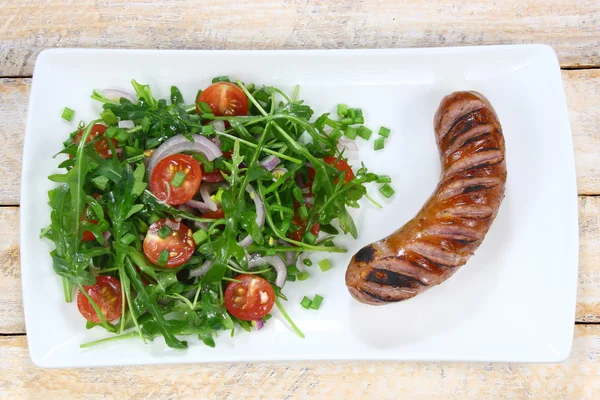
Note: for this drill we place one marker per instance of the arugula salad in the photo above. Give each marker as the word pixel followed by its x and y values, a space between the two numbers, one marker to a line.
pixel 175 219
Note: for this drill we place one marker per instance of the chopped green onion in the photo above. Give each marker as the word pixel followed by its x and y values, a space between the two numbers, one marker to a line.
pixel 302 276
pixel 303 212
pixel 163 258
pixel 208 129
pixel 208 116
pixel 364 132
pixel 325 265
pixel 383 179
pixel 316 302
pixel 178 179
pixel 164 232
pixel 358 112
pixel 68 114
pixel 351 132
pixel 342 110
pixel 335 134
pixel 387 191
pixel 223 78
pixel 292 269
pixel 310 238
pixel 305 302
pixel 307 262
pixel 379 143
pixel 351 113
pixel 200 236
pixel 109 117
pixel 347 121
pixel 359 120
pixel 383 131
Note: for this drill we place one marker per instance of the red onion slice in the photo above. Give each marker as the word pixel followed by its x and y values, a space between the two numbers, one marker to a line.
pixel 179 144
pixel 205 192
pixel 126 124
pixel 260 215
pixel 270 162
pixel 201 270
pixel 201 206
pixel 349 148
pixel 259 324
pixel 173 224
pixel 254 260
pixel 219 125
pixel 115 95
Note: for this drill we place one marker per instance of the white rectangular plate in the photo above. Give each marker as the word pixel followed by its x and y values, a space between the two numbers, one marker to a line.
pixel 513 301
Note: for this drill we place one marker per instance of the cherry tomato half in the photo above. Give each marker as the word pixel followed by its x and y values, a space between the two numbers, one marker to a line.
pixel 106 293
pixel 100 145
pixel 87 235
pixel 217 214
pixel 212 177
pixel 297 235
pixel 179 244
pixel 341 165
pixel 225 99
pixel 163 180
pixel 250 299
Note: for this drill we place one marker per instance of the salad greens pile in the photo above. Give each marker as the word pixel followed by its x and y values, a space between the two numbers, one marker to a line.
pixel 304 198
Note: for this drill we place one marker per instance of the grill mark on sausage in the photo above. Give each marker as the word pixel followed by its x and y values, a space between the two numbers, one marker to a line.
pixel 366 254
pixel 473 188
pixel 374 296
pixel 467 211
pixel 458 233
pixel 489 156
pixel 463 117
pixel 477 133
pixel 462 186
pixel 434 253
pixel 394 279
pixel 482 149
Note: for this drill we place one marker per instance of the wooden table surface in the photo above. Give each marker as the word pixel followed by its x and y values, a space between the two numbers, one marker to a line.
pixel 571 27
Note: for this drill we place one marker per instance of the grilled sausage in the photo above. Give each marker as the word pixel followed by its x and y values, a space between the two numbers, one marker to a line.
pixel 454 221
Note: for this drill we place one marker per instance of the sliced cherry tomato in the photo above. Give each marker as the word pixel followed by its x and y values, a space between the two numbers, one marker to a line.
pixel 297 235
pixel 164 174
pixel 179 244
pixel 340 165
pixel 106 293
pixel 87 235
pixel 100 145
pixel 212 177
pixel 217 214
pixel 250 299
pixel 224 99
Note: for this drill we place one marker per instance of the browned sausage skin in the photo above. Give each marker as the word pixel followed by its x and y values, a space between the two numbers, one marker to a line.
pixel 454 221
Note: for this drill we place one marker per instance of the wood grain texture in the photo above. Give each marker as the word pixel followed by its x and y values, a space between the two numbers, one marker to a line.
pixel 588 298
pixel 11 299
pixel 582 88
pixel 28 26
pixel 14 95
pixel 577 378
